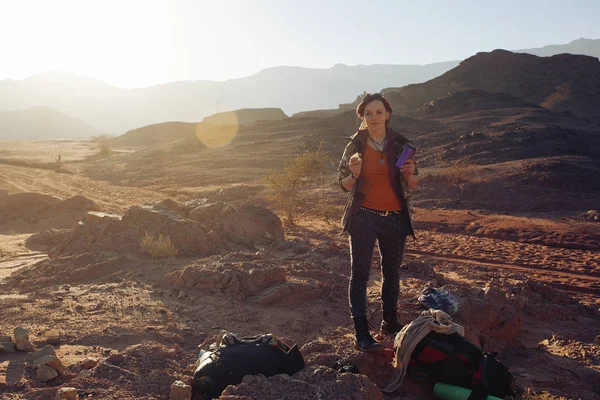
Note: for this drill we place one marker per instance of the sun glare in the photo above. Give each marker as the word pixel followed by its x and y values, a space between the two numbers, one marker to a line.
pixel 218 130
pixel 109 40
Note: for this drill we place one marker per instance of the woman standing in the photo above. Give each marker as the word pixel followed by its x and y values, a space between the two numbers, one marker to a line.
pixel 378 209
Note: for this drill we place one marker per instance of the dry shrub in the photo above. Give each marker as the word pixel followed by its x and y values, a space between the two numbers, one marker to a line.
pixel 105 149
pixel 160 247
pixel 291 188
pixel 103 144
pixel 531 395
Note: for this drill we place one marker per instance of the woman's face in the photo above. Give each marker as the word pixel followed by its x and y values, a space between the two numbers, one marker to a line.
pixel 375 115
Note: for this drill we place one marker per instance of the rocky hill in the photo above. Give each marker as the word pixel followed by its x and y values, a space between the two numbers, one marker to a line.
pixel 154 134
pixel 466 101
pixel 563 82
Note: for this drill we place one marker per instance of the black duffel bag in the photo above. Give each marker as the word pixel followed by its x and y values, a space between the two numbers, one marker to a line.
pixel 232 357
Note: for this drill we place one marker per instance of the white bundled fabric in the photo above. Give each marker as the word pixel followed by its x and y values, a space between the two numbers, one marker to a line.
pixel 409 337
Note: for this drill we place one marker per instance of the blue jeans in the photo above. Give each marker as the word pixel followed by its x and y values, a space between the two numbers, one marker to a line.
pixel 390 231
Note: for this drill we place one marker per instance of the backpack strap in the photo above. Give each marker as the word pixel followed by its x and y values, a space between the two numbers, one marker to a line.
pixel 480 391
pixel 484 364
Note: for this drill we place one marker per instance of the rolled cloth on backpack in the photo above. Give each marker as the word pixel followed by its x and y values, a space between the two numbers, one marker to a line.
pixel 407 339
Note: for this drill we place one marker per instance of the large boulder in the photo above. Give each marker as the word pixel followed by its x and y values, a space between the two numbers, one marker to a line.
pixel 47 239
pixel 200 228
pixel 491 318
pixel 76 203
pixel 32 208
pixel 188 236
pixel 245 225
pixel 30 201
pixel 237 283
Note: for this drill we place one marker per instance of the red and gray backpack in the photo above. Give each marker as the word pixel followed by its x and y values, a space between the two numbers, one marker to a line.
pixel 454 360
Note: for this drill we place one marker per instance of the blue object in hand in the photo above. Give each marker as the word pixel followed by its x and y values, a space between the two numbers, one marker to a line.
pixel 408 153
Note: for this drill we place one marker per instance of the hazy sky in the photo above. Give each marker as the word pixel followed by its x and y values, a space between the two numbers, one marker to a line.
pixel 131 43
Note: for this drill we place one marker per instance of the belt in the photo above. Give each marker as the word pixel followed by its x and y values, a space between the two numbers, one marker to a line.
pixel 381 213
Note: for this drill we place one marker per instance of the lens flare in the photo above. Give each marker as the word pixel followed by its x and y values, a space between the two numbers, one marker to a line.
pixel 218 130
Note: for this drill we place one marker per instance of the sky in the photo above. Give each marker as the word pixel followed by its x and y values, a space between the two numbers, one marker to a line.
pixel 131 43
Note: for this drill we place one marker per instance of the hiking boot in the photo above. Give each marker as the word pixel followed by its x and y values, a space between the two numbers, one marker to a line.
pixel 364 340
pixel 390 325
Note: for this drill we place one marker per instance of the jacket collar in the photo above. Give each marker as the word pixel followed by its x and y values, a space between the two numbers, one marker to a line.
pixel 362 134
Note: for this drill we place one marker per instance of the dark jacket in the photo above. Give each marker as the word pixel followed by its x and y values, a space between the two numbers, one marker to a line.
pixel 393 149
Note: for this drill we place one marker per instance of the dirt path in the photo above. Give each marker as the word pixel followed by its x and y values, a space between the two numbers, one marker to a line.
pixel 582 262
pixel 572 270
pixel 111 197
pixel 575 271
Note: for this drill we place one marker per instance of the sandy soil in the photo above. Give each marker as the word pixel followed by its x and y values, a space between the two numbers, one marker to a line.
pixel 103 304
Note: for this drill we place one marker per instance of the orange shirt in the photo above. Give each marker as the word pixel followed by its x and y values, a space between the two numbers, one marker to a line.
pixel 379 194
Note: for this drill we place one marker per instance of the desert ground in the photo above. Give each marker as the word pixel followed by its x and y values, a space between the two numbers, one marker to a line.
pixel 126 325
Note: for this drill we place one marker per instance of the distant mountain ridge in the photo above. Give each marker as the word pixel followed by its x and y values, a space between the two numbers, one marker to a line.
pixel 42 123
pixel 587 47
pixel 115 110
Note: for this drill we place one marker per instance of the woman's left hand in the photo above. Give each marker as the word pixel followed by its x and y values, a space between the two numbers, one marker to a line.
pixel 408 168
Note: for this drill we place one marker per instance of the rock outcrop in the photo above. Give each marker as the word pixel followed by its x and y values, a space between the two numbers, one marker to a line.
pixel 201 227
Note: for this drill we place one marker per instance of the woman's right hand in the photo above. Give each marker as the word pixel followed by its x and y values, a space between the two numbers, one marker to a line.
pixel 355 164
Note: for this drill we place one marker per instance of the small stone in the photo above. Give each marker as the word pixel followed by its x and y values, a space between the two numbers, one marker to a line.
pixel 181 295
pixel 45 373
pixel 22 340
pixel 51 361
pixel 115 359
pixel 47 350
pixel 89 363
pixel 8 347
pixel 52 337
pixel 597 339
pixel 260 253
pixel 180 391
pixel 67 393
pixel 85 373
